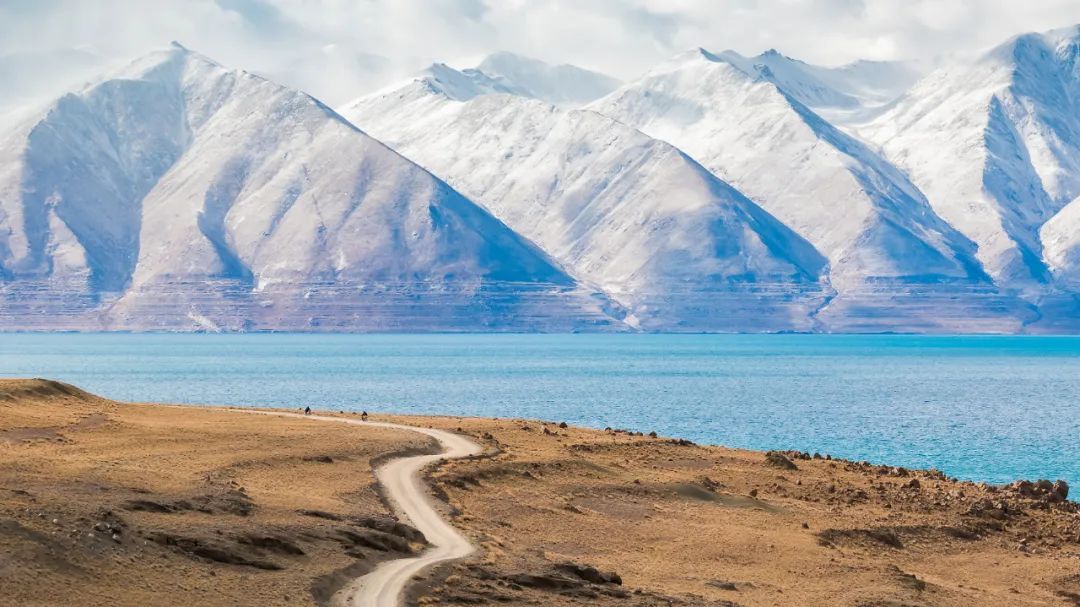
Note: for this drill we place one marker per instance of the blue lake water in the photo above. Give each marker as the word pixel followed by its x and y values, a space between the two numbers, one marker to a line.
pixel 982 408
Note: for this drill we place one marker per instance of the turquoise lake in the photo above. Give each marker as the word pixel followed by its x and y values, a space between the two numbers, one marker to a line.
pixel 981 408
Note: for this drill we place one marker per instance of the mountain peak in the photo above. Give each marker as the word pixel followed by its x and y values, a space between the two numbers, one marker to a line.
pixel 459 85
pixel 703 53
pixel 730 63
pixel 436 68
pixel 773 57
pixel 1032 44
pixel 562 84
pixel 697 56
pixel 1062 35
pixel 175 54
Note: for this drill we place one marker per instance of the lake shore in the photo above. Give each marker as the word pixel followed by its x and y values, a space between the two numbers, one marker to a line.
pixel 106 503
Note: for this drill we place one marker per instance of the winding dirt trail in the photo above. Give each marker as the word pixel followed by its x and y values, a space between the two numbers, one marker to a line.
pixel 400 479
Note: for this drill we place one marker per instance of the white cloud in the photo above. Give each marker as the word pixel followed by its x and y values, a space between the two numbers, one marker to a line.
pixel 339 48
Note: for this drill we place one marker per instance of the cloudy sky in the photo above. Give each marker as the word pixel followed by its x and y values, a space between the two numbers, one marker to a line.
pixel 337 49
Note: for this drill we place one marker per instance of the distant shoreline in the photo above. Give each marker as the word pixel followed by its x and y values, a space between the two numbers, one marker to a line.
pixel 917 401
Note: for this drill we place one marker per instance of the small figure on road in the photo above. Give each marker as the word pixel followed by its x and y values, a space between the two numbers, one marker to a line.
pixel 363 416
pixel 307 410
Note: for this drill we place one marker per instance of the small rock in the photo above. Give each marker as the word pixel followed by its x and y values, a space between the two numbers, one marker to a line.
pixel 591 574
pixel 779 460
pixel 1061 488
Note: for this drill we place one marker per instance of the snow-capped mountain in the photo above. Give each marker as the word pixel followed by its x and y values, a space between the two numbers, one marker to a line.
pixel 995 146
pixel 848 93
pixel 891 258
pixel 181 194
pixel 459 85
pixel 563 85
pixel 678 247
pixel 717 192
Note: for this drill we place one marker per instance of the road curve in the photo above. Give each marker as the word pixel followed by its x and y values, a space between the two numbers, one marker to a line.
pixel 400 478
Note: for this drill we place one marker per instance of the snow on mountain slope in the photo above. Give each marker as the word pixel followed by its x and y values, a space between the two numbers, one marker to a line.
pixel 183 195
pixel 678 247
pixel 995 145
pixel 460 85
pixel 1061 238
pixel 892 260
pixel 563 85
pixel 1060 305
pixel 839 94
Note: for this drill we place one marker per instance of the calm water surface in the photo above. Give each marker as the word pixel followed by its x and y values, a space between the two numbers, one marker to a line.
pixel 984 408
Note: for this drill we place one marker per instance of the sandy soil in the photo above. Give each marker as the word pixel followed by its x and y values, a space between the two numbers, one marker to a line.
pixel 682 524
pixel 208 507
pixel 110 504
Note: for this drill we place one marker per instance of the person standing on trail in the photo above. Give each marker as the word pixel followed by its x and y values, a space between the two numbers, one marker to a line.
pixel 307 410
pixel 363 416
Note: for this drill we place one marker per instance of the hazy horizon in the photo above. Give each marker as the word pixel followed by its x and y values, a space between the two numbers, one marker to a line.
pixel 338 50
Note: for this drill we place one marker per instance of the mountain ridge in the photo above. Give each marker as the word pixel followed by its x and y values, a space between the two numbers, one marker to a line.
pixel 717 192
pixel 230 193
pixel 608 202
pixel 1006 156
